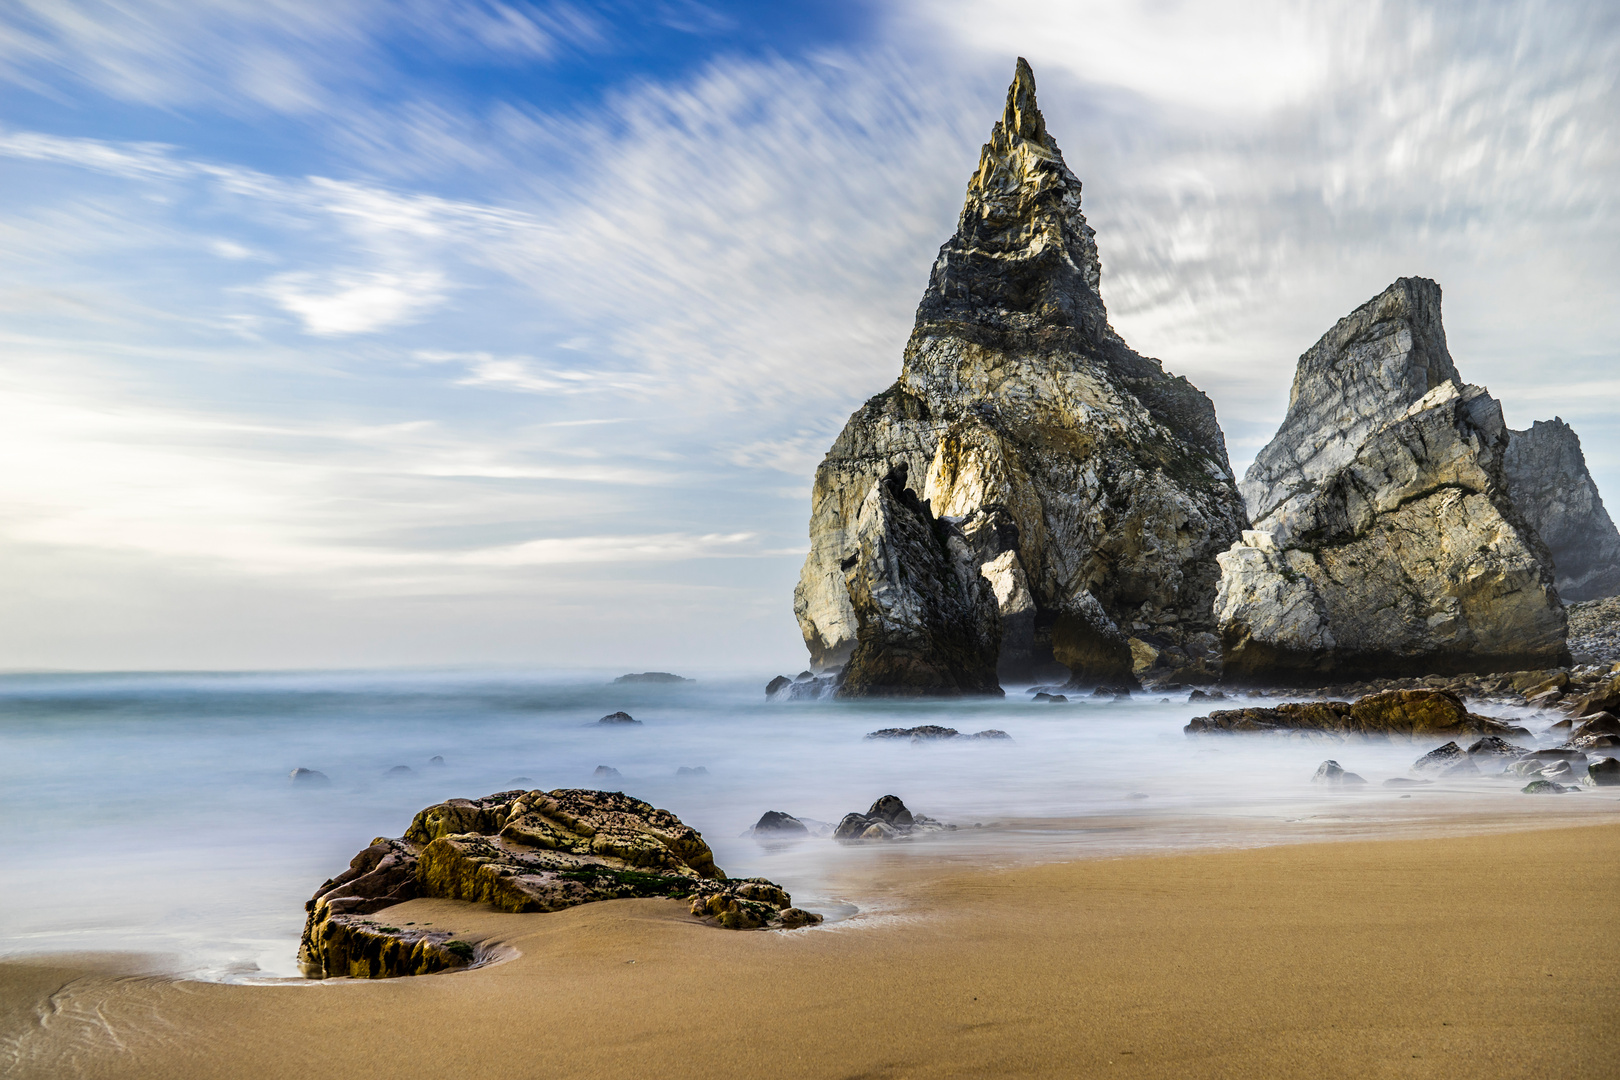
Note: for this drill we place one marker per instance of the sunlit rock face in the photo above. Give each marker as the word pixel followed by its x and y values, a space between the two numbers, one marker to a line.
pixel 1091 487
pixel 1552 488
pixel 1385 538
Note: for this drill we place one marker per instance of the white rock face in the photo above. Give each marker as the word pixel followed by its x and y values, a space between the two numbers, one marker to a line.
pixel 1092 487
pixel 1385 540
pixel 1551 486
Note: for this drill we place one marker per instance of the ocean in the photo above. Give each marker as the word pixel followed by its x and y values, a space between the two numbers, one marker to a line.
pixel 154 813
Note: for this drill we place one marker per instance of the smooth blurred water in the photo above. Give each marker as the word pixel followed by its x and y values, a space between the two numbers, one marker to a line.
pixel 154 812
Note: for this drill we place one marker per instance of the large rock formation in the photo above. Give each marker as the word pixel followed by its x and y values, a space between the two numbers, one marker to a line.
pixel 1385 539
pixel 521 851
pixel 1090 488
pixel 1550 484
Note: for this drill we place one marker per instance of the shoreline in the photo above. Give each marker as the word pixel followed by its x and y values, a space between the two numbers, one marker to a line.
pixel 1304 958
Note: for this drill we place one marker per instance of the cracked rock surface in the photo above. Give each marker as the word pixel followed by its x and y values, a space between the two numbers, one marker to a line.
pixel 1385 538
pixel 522 851
pixel 1088 487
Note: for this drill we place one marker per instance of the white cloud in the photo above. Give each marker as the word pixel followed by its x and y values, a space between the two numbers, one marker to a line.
pixel 356 302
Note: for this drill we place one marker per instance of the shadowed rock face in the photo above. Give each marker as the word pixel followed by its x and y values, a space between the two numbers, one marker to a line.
pixel 521 851
pixel 1385 539
pixel 1550 484
pixel 1091 488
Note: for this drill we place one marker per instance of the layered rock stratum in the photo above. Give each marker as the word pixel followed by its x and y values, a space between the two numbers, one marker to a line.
pixel 521 851
pixel 1385 538
pixel 1550 484
pixel 1088 488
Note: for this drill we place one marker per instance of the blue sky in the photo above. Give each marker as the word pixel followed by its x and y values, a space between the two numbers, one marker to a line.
pixel 364 332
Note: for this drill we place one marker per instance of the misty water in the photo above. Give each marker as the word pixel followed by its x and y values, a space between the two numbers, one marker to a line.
pixel 154 813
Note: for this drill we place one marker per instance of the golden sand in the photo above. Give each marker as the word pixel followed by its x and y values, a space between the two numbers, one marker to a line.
pixel 1480 956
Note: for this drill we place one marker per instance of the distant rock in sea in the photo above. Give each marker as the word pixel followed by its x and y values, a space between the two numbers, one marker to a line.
pixel 399 771
pixel 933 731
pixel 807 687
pixel 309 777
pixel 779 824
pixel 1394 712
pixel 521 852
pixel 1331 772
pixel 652 677
pixel 618 718
pixel 888 819
pixel 1552 487
pixel 1031 492
pixel 606 772
pixel 1386 540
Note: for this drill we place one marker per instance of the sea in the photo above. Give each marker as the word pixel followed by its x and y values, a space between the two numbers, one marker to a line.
pixel 155 813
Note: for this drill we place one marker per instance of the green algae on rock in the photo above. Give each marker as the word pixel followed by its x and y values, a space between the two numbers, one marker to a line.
pixel 521 851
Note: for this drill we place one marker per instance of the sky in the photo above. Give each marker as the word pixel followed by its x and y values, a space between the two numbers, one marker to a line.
pixel 341 333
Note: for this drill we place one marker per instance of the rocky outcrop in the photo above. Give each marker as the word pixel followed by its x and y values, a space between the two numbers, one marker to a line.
pixel 520 851
pixel 654 677
pixel 1331 772
pixel 1551 486
pixel 934 731
pixel 1085 485
pixel 926 620
pixel 1385 539
pixel 888 819
pixel 1396 712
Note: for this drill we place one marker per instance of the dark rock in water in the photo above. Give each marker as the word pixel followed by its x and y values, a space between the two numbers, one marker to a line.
pixel 926 731
pixel 652 677
pixel 1594 742
pixel 1088 487
pixel 1393 712
pixel 888 819
pixel 805 676
pixel 990 733
pixel 399 771
pixel 436 759
pixel 1496 746
pixel 1113 693
pixel 1205 695
pixel 618 718
pixel 814 688
pixel 776 822
pixel 1447 760
pixel 1599 724
pixel 1404 781
pixel 1546 787
pixel 309 777
pixel 1331 772
pixel 1604 773
pixel 696 770
pixel 1557 753
pixel 1551 486
pixel 1385 539
pixel 520 851
pixel 519 781
pixel 926 618
pixel 606 772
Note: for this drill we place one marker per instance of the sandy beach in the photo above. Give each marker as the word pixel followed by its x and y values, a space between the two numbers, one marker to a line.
pixel 1481 956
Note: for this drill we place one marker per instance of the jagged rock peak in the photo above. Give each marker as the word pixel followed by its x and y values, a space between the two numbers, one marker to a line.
pixel 1554 490
pixel 1023 256
pixel 1370 367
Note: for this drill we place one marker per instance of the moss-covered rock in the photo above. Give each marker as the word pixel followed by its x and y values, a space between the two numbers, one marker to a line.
pixel 521 851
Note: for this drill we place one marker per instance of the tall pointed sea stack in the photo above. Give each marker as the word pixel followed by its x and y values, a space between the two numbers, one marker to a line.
pixel 1386 540
pixel 1090 489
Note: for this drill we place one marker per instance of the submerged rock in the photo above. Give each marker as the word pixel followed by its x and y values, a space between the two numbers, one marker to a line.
pixel 1447 760
pixel 520 851
pixel 1604 773
pixel 618 718
pixel 1385 537
pixel 888 819
pixel 1331 772
pixel 778 823
pixel 934 731
pixel 1552 487
pixel 309 777
pixel 1393 712
pixel 806 687
pixel 655 677
pixel 1085 486
pixel 606 772
pixel 1546 787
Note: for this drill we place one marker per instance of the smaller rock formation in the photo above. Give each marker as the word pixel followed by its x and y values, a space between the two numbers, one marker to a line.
pixel 926 619
pixel 1547 787
pixel 888 819
pixel 1331 772
pixel 1385 538
pixel 398 772
pixel 652 677
pixel 618 718
pixel 606 772
pixel 807 687
pixel 309 777
pixel 1394 712
pixel 934 731
pixel 1604 773
pixel 521 851
pixel 1551 486
pixel 1449 760
pixel 692 770
pixel 779 824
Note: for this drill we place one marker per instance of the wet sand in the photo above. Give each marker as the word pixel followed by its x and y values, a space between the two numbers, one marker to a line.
pixel 1479 956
